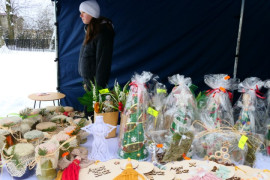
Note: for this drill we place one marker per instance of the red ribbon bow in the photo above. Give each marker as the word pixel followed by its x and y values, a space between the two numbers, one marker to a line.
pixel 258 93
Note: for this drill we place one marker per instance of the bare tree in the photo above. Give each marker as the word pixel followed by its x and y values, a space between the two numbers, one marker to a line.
pixel 45 23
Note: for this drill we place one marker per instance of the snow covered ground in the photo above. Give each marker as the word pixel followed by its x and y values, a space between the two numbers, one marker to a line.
pixel 23 73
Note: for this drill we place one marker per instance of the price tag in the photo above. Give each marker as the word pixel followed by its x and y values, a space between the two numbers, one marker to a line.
pixel 152 112
pixel 242 142
pixel 159 91
pixel 103 91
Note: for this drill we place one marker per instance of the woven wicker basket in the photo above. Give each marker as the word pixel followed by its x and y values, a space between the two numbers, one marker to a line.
pixel 109 118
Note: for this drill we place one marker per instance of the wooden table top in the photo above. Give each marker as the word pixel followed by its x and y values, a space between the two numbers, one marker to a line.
pixel 48 96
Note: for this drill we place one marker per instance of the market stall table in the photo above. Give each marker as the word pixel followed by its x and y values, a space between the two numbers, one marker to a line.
pixel 113 148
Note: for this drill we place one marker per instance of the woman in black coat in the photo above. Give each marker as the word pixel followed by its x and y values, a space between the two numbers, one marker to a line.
pixel 96 52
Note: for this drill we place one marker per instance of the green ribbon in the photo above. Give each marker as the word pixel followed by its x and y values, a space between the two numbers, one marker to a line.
pixel 23 117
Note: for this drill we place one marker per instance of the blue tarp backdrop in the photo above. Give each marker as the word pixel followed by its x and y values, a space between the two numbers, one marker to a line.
pixel 165 37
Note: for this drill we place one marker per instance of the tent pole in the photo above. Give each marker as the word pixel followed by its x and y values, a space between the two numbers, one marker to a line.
pixel 238 39
pixel 56 44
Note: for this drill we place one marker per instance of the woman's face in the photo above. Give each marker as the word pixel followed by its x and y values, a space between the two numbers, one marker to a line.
pixel 86 18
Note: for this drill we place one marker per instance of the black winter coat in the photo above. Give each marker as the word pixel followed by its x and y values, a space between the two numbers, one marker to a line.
pixel 96 57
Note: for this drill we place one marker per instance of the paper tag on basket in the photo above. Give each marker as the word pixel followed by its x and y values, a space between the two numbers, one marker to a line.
pixel 152 112
pixel 242 142
pixel 103 91
pixel 159 91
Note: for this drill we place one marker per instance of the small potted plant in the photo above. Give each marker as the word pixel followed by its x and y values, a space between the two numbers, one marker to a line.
pixel 106 103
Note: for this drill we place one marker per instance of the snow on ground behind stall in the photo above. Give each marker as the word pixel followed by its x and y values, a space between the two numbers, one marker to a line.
pixel 23 73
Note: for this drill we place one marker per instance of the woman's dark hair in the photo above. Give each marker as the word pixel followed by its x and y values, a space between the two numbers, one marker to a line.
pixel 93 28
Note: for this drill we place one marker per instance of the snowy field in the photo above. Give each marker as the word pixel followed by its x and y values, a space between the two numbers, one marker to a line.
pixel 23 73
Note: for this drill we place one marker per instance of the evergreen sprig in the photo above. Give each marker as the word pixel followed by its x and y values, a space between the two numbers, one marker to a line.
pixel 80 124
pixel 42 152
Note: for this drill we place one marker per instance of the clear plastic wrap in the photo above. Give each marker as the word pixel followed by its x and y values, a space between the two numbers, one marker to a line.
pixel 155 130
pixel 154 127
pixel 250 109
pixel 218 110
pixel 180 112
pixel 132 140
pixel 267 137
pixel 220 146
pixel 251 117
pixel 267 86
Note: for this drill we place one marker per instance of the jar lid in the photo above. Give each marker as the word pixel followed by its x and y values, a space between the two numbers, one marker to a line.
pixel 22 149
pixel 33 134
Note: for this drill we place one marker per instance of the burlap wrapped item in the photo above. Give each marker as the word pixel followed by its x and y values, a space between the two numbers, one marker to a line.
pixel 30 116
pixel 46 126
pixel 47 161
pixel 18 160
pixel 60 119
pixel 30 122
pixel 35 136
pixel 24 171
pixel 25 128
pixel 68 109
pixel 46 115
pixel 109 118
pixel 52 108
pixel 4 132
pixel 83 136
pixel 79 151
pixel 13 123
pixel 2 141
pixel 62 137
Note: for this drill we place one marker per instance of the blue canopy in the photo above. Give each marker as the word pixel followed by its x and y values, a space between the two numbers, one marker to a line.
pixel 187 37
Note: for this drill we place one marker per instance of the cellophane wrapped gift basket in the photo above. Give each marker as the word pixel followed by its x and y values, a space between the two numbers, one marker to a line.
pixel 155 129
pixel 180 112
pixel 132 141
pixel 216 139
pixel 251 116
pixel 218 111
pixel 267 139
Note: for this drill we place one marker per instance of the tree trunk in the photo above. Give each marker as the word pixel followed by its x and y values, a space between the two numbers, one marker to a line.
pixel 10 20
pixel 2 42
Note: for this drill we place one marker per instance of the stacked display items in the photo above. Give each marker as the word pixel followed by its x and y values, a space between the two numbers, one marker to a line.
pixel 132 142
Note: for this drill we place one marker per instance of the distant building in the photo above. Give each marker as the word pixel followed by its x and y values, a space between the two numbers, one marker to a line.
pixel 18 24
